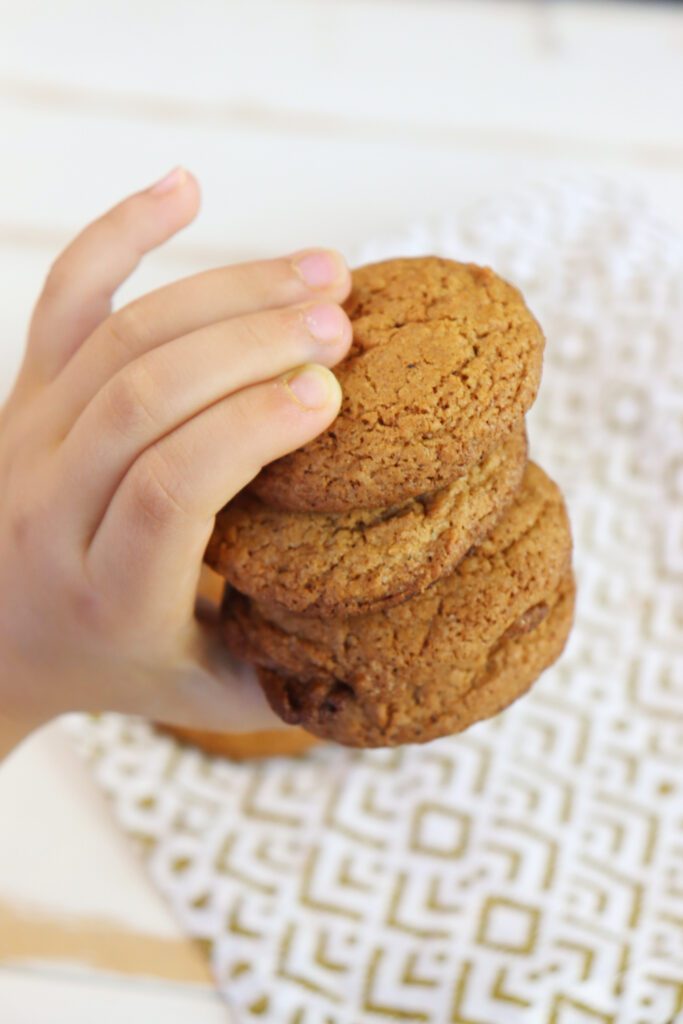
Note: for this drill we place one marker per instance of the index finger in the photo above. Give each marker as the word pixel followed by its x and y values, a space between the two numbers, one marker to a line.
pixel 78 291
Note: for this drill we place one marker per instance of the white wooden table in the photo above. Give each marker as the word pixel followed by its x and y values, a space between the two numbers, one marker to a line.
pixel 307 123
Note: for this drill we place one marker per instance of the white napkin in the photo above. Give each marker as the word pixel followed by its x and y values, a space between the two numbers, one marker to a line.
pixel 530 870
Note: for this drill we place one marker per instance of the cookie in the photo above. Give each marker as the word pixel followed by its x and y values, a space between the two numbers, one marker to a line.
pixel 326 564
pixel 437 663
pixel 510 670
pixel 243 746
pixel 445 359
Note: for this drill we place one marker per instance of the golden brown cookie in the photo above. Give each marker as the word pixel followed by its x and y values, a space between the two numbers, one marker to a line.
pixel 512 667
pixel 243 746
pixel 326 564
pixel 446 358
pixel 435 664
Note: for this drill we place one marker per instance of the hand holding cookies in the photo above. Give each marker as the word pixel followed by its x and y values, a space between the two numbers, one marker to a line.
pixel 125 434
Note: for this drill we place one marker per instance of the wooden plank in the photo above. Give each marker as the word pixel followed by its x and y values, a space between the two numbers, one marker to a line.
pixel 267 193
pixel 569 71
pixel 98 944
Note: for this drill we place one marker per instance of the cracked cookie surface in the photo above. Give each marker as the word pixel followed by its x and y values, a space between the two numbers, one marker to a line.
pixel 328 564
pixel 446 358
pixel 437 663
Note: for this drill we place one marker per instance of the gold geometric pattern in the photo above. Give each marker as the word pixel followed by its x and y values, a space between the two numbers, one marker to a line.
pixel 508 926
pixel 531 870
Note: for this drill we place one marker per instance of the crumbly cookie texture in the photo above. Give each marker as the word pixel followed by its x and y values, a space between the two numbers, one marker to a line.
pixel 328 564
pixel 446 358
pixel 437 663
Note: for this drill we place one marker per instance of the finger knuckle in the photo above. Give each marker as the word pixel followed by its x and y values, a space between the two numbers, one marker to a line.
pixel 247 415
pixel 159 491
pixel 290 323
pixel 242 413
pixel 258 333
pixel 131 400
pixel 129 330
pixel 25 514
pixel 86 606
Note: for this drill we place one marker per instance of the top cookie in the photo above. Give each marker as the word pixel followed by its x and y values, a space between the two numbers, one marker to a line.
pixel 446 357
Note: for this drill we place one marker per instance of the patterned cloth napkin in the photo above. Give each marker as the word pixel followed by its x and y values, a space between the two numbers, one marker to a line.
pixel 530 870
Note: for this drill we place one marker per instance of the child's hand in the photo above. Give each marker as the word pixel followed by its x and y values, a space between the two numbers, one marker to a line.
pixel 126 432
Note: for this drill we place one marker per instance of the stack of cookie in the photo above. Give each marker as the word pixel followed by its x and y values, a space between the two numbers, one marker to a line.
pixel 408 572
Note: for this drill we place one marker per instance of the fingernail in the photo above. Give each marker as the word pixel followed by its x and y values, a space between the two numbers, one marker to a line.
pixel 326 323
pixel 311 386
pixel 171 181
pixel 318 269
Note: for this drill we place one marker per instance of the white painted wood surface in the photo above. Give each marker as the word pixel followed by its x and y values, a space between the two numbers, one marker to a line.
pixel 307 123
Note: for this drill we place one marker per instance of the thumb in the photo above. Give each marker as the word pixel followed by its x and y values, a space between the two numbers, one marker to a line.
pixel 212 690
